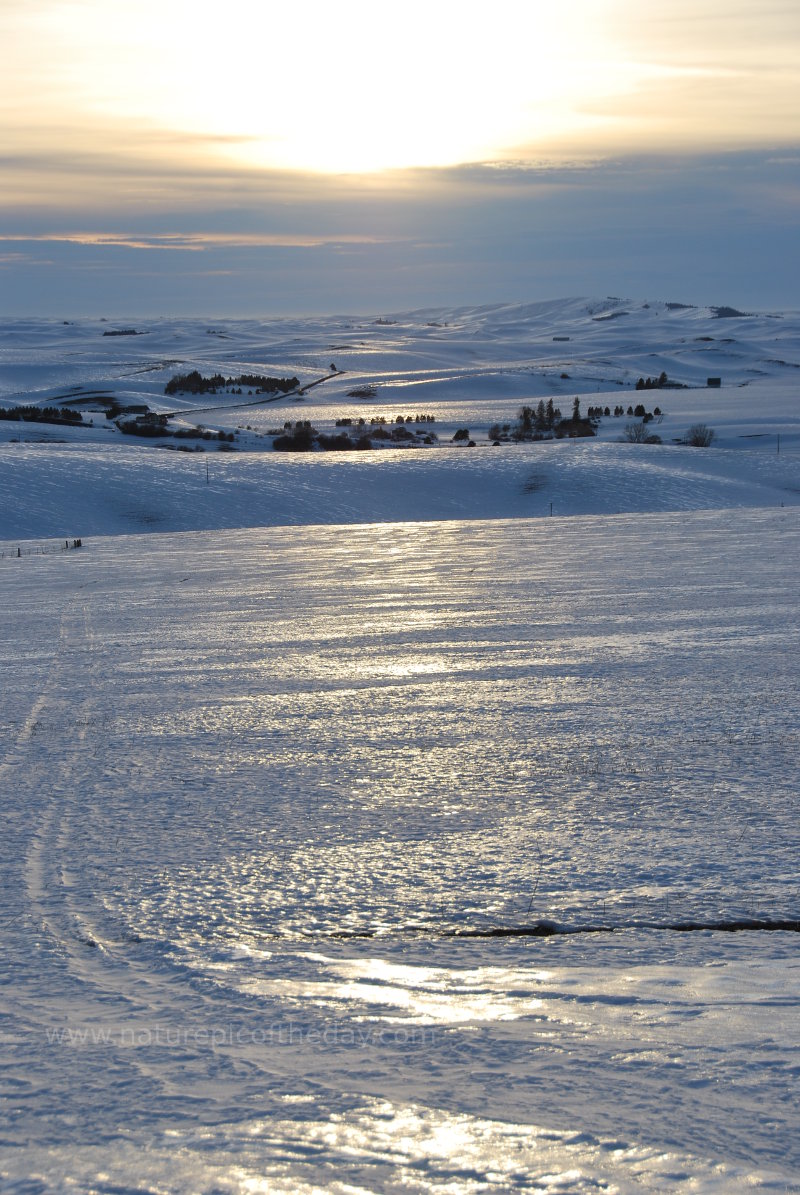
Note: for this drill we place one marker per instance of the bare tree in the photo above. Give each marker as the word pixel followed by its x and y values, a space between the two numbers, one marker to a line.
pixel 699 435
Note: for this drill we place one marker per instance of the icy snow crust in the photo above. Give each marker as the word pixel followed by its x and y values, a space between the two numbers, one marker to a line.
pixel 274 798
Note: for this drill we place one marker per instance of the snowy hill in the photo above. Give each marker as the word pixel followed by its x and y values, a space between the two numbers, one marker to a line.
pixel 368 829
pixel 469 367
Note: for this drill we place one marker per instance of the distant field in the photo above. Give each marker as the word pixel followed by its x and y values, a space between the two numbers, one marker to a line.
pixel 468 369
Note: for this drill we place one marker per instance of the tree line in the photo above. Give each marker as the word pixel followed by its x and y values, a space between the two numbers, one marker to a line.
pixel 41 415
pixel 195 383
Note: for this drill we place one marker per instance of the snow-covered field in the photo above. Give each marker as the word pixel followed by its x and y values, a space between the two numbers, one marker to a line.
pixel 470 368
pixel 369 829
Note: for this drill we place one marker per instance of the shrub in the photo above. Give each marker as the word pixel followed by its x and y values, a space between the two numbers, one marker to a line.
pixel 634 433
pixel 337 443
pixel 300 440
pixel 699 435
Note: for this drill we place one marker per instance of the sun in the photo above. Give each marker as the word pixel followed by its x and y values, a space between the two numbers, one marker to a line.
pixel 362 87
pixel 350 87
pixel 365 87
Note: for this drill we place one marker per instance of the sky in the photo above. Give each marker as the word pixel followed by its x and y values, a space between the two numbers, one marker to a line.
pixel 256 158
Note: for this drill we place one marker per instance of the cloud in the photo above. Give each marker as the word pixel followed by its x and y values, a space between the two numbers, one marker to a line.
pixel 193 242
pixel 708 229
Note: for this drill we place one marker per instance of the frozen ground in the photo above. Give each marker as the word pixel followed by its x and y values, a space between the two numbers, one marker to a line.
pixel 395 840
pixel 257 790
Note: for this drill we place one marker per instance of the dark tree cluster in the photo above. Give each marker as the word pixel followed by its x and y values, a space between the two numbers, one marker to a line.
pixel 533 423
pixel 544 422
pixel 64 415
pixel 303 437
pixel 265 385
pixel 195 383
pixel 638 411
pixel 148 426
pixel 652 383
pixel 154 425
pixel 298 437
pixel 381 421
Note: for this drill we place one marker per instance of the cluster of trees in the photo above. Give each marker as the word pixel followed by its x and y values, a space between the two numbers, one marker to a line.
pixel 699 435
pixel 195 383
pixel 544 422
pixel 531 423
pixel 380 420
pixel 297 437
pixel 652 383
pixel 302 436
pixel 399 433
pixel 149 425
pixel 637 411
pixel 64 415
pixel 153 425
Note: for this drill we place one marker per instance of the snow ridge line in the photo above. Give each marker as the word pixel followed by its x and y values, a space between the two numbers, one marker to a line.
pixel 547 929
pixel 551 929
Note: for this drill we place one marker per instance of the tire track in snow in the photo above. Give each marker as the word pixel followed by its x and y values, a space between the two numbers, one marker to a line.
pixel 48 839
pixel 117 995
pixel 15 754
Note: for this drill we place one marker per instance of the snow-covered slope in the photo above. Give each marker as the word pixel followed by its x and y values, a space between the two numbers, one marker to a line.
pixel 466 368
pixel 58 491
pixel 369 829
pixel 258 787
